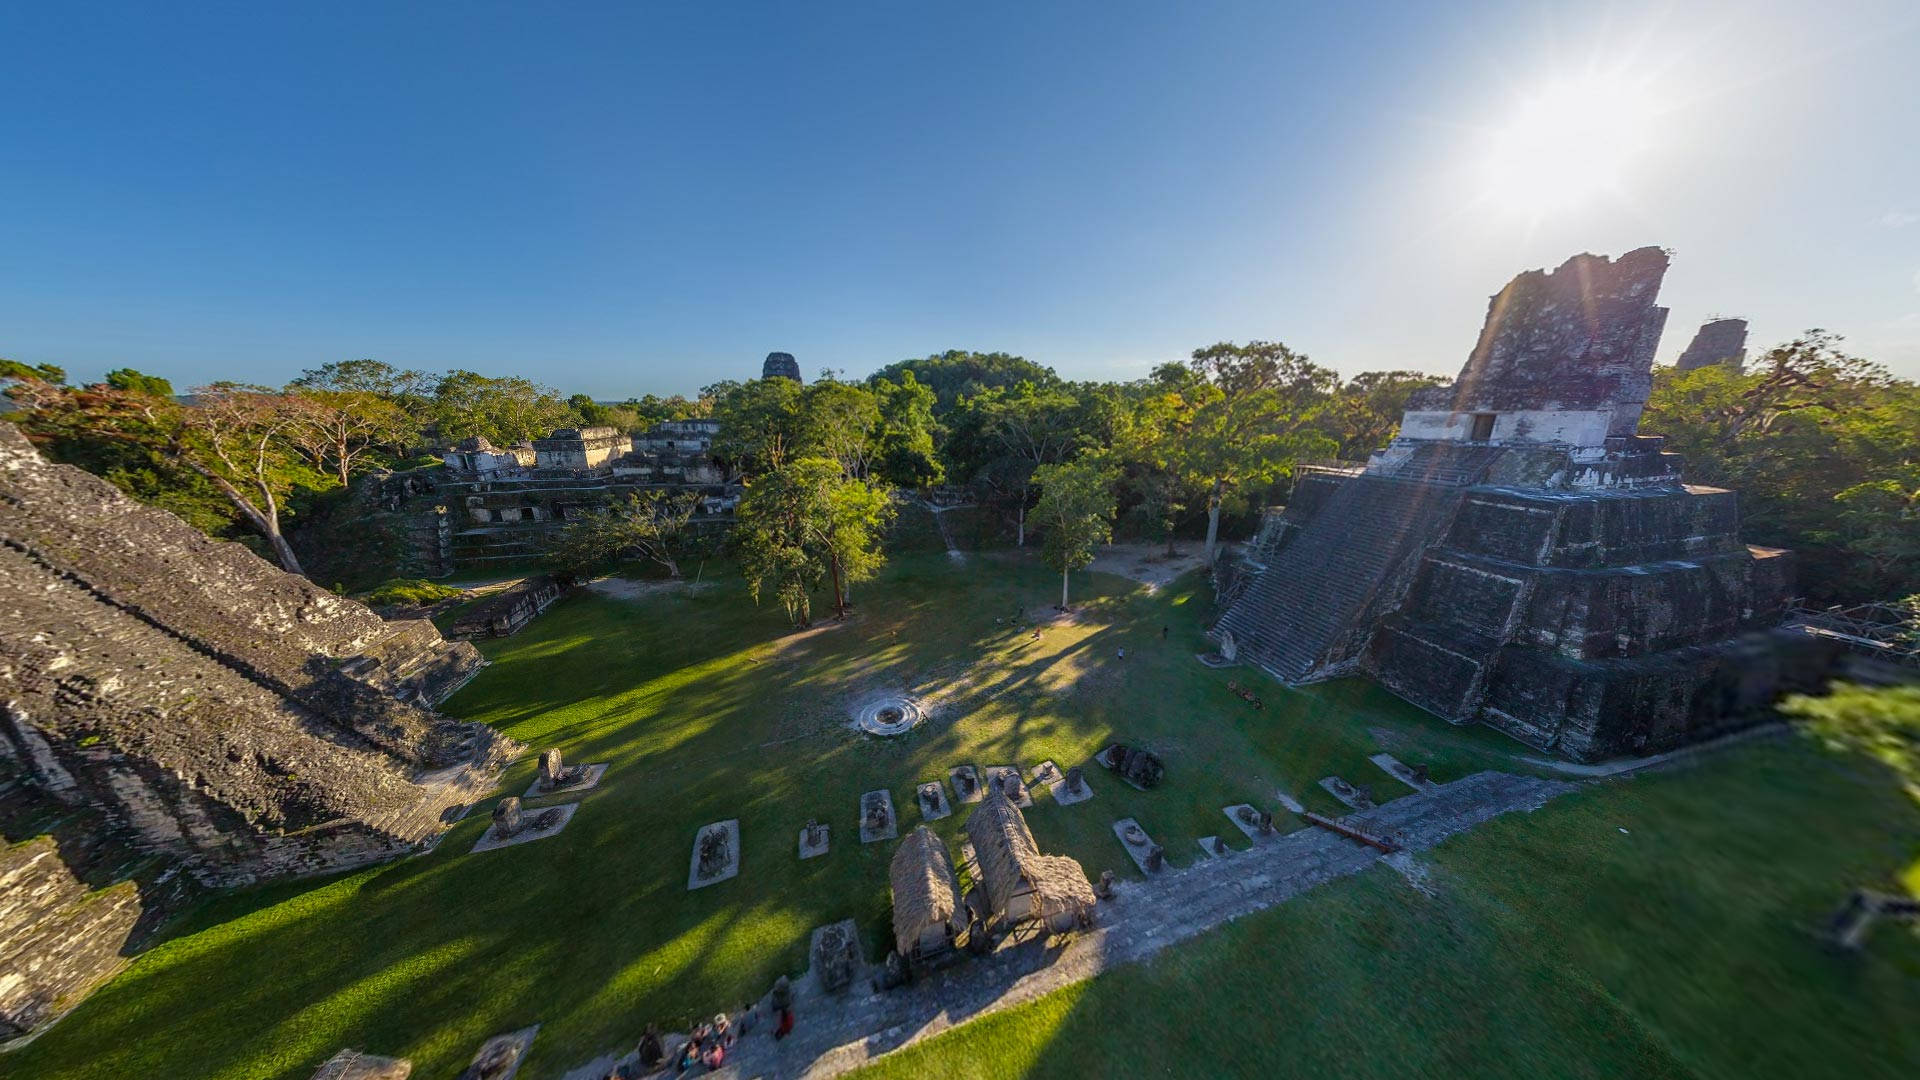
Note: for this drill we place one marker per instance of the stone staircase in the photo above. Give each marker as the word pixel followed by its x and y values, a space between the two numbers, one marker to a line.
pixel 1310 611
pixel 1450 464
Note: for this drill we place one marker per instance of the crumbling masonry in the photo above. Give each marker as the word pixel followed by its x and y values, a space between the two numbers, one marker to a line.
pixel 1521 556
pixel 216 712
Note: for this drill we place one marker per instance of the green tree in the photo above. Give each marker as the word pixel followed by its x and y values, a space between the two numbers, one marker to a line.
pixel 1822 447
pixel 233 438
pixel 761 424
pixel 907 455
pixel 653 525
pixel 839 420
pixel 1239 417
pixel 135 382
pixel 1074 514
pixel 804 522
pixel 504 411
pixel 1006 433
pixel 15 371
pixel 1364 414
pixel 959 373
pixel 1882 722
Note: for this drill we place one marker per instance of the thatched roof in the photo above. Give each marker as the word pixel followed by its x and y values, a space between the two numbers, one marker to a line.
pixel 1010 862
pixel 925 891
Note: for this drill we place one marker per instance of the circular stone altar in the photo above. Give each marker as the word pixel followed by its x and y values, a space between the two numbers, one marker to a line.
pixel 889 716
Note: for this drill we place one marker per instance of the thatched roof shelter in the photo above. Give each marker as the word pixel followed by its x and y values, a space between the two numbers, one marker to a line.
pixel 925 891
pixel 1019 881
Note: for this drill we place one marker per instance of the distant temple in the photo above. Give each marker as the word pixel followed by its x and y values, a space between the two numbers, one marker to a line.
pixel 1718 341
pixel 1520 555
pixel 780 365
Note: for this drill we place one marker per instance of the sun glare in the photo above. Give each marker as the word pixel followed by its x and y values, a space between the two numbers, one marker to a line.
pixel 1568 143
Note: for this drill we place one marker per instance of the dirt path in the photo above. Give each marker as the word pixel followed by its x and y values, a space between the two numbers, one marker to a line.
pixel 1147 564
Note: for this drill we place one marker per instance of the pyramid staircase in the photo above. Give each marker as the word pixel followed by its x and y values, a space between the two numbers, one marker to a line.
pixel 1312 609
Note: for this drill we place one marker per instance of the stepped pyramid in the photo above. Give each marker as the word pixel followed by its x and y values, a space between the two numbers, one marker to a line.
pixel 224 714
pixel 1521 556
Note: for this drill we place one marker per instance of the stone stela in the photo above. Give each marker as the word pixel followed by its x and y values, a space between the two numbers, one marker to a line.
pixel 513 824
pixel 716 854
pixel 556 776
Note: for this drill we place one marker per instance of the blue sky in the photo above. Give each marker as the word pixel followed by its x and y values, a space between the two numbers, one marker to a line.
pixel 629 198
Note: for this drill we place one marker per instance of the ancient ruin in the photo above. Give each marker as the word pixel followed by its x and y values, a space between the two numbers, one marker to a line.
pixel 966 783
pixel 513 824
pixel 1521 556
pixel 890 715
pixel 1718 341
pixel 835 953
pixel 484 506
pixel 716 854
pixel 1138 767
pixel 556 775
pixel 211 710
pixel 877 821
pixel 58 939
pixel 233 717
pixel 780 365
pixel 354 1065
pixel 813 839
pixel 505 612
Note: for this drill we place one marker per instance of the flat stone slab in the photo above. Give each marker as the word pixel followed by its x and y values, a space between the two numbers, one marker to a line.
pixel 527 834
pixel 732 867
pixel 1346 793
pixel 590 778
pixel 867 835
pixel 1001 772
pixel 1138 851
pixel 1214 848
pixel 932 797
pixel 1292 804
pixel 1046 773
pixel 513 1042
pixel 969 790
pixel 1251 829
pixel 1402 772
pixel 808 851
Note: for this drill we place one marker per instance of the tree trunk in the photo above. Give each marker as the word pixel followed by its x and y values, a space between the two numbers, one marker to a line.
pixel 839 593
pixel 1063 590
pixel 266 524
pixel 1214 499
pixel 1021 517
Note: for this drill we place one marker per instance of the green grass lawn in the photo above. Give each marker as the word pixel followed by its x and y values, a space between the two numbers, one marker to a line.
pixel 708 709
pixel 1553 945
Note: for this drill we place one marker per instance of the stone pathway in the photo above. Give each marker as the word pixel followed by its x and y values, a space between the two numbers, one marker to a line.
pixel 834 1035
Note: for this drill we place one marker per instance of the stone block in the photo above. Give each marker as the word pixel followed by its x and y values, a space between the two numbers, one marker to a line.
pixel 966 783
pixel 932 797
pixel 1147 855
pixel 499 1058
pixel 1008 777
pixel 587 779
pixel 814 838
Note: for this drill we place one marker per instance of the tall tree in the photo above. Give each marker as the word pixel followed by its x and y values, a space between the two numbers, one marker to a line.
pixel 1013 431
pixel 907 457
pixel 805 522
pixel 1074 514
pixel 232 437
pixel 761 424
pixel 1365 413
pixel 839 420
pixel 1241 415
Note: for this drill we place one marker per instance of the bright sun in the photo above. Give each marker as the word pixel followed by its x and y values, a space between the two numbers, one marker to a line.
pixel 1568 143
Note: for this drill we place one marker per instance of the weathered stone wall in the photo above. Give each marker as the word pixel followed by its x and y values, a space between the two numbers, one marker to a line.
pixel 58 939
pixel 212 705
pixel 1580 338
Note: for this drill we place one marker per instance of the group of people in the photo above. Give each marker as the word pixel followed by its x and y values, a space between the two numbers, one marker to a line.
pixel 709 1043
